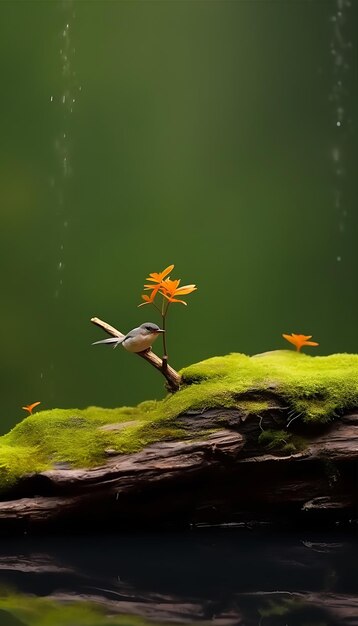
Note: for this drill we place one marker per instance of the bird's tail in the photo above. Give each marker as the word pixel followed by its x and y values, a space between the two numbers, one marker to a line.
pixel 116 340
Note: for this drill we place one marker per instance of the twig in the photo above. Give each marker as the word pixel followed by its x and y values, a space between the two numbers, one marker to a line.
pixel 293 419
pixel 260 422
pixel 169 373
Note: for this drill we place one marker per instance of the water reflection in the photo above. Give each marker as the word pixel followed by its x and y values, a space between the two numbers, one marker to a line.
pixel 195 578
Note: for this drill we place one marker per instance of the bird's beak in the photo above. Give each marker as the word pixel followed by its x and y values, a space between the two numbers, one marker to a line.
pixel 160 331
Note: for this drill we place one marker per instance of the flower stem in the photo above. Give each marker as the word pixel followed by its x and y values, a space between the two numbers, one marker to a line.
pixel 164 338
pixel 165 307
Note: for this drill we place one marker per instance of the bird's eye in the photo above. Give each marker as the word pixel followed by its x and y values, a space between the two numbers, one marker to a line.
pixel 149 328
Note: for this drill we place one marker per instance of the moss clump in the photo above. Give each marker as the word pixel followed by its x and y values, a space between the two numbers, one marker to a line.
pixel 314 389
pixel 281 440
pixel 36 611
pixel 254 407
pixel 274 439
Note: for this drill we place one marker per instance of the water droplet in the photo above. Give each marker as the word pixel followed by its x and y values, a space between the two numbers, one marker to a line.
pixel 336 154
pixel 339 259
pixel 41 375
pixel 60 265
pixel 51 99
pixel 338 123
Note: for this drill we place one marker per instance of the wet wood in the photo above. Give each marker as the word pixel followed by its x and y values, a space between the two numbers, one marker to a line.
pixel 289 591
pixel 208 478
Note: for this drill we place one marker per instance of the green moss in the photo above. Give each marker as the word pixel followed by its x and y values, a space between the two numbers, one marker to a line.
pixel 281 440
pixel 37 611
pixel 17 460
pixel 274 439
pixel 254 407
pixel 280 607
pixel 314 389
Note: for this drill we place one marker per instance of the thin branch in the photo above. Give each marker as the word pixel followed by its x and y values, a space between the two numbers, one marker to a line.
pixel 293 419
pixel 170 374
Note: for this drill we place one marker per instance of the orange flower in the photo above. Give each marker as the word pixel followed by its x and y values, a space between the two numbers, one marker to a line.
pixel 167 288
pixel 157 278
pixel 29 407
pixel 300 340
pixel 170 288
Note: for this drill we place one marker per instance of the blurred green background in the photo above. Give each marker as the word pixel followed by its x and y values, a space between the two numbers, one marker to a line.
pixel 142 133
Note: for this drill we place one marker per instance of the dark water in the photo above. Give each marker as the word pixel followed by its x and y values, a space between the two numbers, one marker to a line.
pixel 218 577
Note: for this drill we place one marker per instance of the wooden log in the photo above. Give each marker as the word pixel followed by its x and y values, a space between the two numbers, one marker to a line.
pixel 225 476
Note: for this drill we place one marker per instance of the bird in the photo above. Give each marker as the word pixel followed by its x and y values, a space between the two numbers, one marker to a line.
pixel 138 339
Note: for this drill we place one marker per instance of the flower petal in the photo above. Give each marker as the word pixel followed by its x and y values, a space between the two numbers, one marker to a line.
pixel 169 286
pixel 29 407
pixel 290 338
pixel 185 290
pixel 157 277
pixel 167 271
pixel 171 299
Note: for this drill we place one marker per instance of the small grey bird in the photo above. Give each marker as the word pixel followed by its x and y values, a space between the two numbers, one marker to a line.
pixel 138 339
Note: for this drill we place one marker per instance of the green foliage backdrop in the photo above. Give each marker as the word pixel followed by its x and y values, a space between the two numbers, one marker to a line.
pixel 201 134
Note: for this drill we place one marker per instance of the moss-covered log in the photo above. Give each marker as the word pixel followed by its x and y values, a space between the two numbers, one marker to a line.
pixel 265 439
